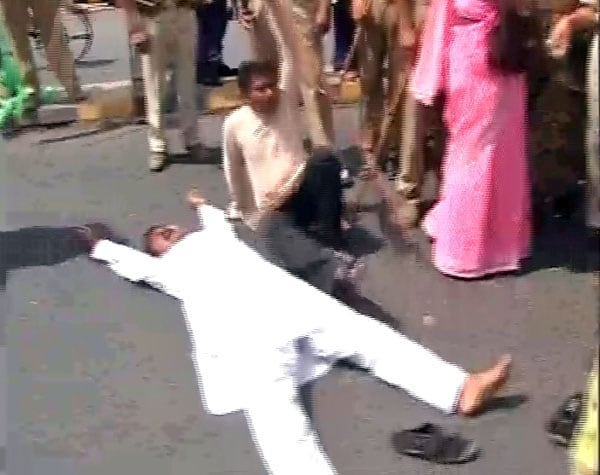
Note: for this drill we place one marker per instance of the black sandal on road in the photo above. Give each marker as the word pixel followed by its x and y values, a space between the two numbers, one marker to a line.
pixel 429 442
pixel 561 426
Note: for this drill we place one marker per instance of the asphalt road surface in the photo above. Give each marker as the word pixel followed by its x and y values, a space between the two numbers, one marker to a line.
pixel 99 370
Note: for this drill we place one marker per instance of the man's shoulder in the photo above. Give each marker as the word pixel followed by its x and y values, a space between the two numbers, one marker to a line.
pixel 236 118
pixel 238 114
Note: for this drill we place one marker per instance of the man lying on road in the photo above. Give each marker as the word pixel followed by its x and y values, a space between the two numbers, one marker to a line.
pixel 259 333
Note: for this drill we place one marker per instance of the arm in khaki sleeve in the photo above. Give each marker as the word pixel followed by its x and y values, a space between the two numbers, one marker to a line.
pixel 293 58
pixel 132 13
pixel 131 264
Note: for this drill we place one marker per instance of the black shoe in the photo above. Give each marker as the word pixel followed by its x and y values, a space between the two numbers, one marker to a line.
pixel 208 75
pixel 227 72
pixel 561 426
pixel 430 442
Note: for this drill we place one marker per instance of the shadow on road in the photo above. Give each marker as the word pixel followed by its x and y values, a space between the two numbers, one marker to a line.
pixel 365 306
pixel 505 402
pixel 94 63
pixel 567 244
pixel 37 246
pixel 213 156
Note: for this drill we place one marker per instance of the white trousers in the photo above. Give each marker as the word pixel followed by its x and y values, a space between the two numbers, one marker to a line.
pixel 173 36
pixel 280 428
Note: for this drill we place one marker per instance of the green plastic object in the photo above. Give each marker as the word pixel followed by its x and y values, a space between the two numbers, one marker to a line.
pixel 51 95
pixel 15 97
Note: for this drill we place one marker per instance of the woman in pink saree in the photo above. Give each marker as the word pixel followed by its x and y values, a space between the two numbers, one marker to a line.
pixel 481 222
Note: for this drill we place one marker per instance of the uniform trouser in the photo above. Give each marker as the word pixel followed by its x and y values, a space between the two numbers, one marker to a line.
pixel 593 138
pixel 413 163
pixel 411 121
pixel 172 39
pixel 285 438
pixel 317 104
pixel 46 17
pixel 343 27
pixel 212 22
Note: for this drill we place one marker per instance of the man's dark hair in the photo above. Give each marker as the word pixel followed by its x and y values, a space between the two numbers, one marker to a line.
pixel 248 70
pixel 147 239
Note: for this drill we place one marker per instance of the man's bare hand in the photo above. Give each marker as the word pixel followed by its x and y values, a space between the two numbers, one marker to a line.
pixel 194 198
pixel 90 234
pixel 272 200
pixel 359 9
pixel 247 18
pixel 560 38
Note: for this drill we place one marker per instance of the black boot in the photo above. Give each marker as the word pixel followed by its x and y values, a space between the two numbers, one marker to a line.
pixel 209 75
pixel 227 72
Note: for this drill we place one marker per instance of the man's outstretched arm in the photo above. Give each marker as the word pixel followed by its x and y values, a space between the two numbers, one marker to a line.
pixel 211 218
pixel 124 261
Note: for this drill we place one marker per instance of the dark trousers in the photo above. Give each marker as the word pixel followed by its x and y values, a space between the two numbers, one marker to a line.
pixel 292 249
pixel 304 232
pixel 317 206
pixel 212 23
pixel 343 30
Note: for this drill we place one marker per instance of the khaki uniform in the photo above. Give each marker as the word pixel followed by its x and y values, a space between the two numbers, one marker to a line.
pixel 593 128
pixel 172 30
pixel 380 42
pixel 46 16
pixel 317 104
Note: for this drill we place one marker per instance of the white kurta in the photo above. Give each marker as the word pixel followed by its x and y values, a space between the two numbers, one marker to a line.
pixel 235 303
pixel 246 317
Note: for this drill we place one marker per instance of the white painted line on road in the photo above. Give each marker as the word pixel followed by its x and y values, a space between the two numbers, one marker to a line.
pixel 107 85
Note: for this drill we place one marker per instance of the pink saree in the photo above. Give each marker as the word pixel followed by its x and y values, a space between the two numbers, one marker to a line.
pixel 481 222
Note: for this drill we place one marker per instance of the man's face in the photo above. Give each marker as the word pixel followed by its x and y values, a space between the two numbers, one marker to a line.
pixel 164 237
pixel 263 94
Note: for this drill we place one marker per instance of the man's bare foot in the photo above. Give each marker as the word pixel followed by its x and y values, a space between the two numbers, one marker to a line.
pixel 480 387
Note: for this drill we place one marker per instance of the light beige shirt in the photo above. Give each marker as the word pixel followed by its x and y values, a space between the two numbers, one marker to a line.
pixel 264 154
